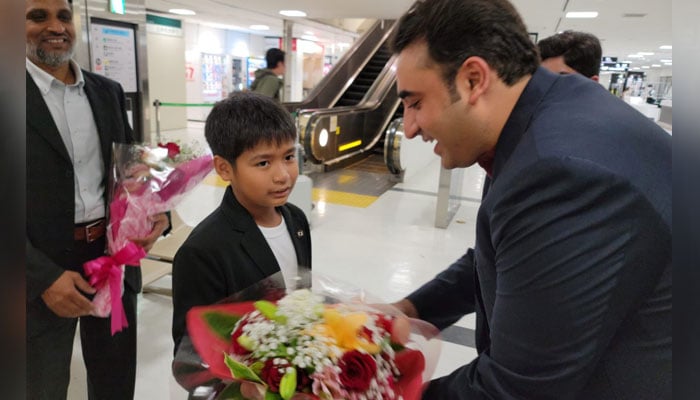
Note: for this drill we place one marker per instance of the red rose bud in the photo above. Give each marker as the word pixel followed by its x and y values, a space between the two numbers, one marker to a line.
pixel 357 370
pixel 271 374
pixel 173 148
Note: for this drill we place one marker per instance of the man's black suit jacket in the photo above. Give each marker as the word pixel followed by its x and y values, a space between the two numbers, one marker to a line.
pixel 226 253
pixel 570 277
pixel 50 190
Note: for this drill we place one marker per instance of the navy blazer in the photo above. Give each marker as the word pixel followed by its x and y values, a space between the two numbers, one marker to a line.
pixel 50 192
pixel 226 253
pixel 570 276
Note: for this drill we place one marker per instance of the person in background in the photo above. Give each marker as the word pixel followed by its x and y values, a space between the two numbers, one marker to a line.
pixel 267 81
pixel 572 52
pixel 570 275
pixel 254 233
pixel 73 117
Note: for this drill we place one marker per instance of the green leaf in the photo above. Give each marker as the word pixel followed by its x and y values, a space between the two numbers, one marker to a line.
pixel 241 371
pixel 222 324
pixel 231 392
pixel 272 396
pixel 269 310
pixel 257 367
pixel 288 384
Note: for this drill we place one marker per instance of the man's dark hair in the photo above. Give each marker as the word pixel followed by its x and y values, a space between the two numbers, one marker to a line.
pixel 273 56
pixel 581 51
pixel 455 30
pixel 245 119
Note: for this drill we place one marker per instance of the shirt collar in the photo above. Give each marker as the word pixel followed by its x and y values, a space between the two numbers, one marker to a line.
pixel 44 80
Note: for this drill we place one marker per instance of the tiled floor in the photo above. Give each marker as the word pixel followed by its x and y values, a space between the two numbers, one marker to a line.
pixel 388 247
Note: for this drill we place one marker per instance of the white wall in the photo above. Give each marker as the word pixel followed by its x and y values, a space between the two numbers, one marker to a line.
pixel 166 77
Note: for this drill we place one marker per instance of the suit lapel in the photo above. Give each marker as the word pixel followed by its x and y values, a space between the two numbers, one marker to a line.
pixel 253 242
pixel 102 112
pixel 40 119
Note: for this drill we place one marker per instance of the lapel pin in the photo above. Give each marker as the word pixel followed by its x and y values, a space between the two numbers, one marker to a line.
pixel 300 233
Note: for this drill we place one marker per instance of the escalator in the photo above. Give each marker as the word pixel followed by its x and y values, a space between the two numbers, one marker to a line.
pixel 353 126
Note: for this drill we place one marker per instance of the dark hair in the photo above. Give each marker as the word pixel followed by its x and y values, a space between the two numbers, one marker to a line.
pixel 455 30
pixel 245 119
pixel 581 51
pixel 274 56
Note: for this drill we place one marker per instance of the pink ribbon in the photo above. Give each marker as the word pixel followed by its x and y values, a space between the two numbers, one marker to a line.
pixel 107 269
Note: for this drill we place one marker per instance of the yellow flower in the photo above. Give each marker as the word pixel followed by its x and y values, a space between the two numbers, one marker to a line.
pixel 346 329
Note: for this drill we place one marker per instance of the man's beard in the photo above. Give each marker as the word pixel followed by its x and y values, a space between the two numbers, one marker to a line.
pixel 52 59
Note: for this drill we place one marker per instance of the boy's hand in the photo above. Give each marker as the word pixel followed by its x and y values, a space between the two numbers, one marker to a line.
pixel 160 224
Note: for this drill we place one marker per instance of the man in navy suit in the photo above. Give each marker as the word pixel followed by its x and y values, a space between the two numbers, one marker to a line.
pixel 73 117
pixel 570 275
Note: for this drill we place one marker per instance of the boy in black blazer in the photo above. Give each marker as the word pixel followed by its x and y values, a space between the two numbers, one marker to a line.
pixel 254 233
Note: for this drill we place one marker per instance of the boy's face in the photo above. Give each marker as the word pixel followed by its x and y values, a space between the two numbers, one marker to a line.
pixel 263 177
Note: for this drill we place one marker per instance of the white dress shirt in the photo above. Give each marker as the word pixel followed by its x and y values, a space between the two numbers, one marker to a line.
pixel 282 247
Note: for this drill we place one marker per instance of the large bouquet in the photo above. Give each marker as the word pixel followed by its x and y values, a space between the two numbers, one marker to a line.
pixel 144 181
pixel 311 345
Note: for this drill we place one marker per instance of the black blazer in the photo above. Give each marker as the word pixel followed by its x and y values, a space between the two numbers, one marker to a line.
pixel 570 277
pixel 226 253
pixel 50 193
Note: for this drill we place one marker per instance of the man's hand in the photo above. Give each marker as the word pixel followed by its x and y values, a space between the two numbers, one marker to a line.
pixel 406 307
pixel 160 224
pixel 64 296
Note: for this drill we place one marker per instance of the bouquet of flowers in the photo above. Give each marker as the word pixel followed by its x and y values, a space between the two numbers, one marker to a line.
pixel 311 346
pixel 144 181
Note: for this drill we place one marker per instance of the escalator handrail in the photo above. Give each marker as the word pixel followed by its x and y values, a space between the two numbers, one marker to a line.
pixel 366 47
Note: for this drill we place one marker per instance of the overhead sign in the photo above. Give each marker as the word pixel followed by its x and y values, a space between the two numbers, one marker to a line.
pixel 614 66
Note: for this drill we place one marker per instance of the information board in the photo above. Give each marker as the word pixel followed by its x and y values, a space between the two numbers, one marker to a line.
pixel 113 53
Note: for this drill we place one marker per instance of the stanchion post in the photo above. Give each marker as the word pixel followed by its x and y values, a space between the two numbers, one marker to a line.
pixel 156 104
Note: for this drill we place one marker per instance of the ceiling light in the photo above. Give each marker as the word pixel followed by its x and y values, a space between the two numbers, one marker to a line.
pixel 310 38
pixel 645 53
pixel 666 47
pixel 646 66
pixel 181 11
pixel 259 27
pixel 655 65
pixel 582 14
pixel 635 56
pixel 666 61
pixel 293 13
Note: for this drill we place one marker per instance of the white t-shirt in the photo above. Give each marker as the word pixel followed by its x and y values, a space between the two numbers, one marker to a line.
pixel 282 247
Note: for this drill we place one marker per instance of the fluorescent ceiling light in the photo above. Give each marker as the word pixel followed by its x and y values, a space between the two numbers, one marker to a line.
pixel 582 14
pixel 666 61
pixel 310 37
pixel 655 65
pixel 666 47
pixel 293 13
pixel 181 11
pixel 646 66
pixel 635 56
pixel 645 53
pixel 259 27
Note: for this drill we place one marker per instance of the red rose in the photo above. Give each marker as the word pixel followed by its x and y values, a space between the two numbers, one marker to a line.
pixel 236 347
pixel 173 148
pixel 272 373
pixel 357 370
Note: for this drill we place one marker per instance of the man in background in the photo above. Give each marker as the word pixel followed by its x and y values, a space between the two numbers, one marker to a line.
pixel 572 52
pixel 73 117
pixel 267 81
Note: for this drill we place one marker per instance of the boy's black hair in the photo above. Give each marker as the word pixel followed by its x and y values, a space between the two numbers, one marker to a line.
pixel 245 119
pixel 274 56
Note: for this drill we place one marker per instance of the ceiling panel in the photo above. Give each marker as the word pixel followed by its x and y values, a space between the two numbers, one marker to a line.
pixel 620 35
